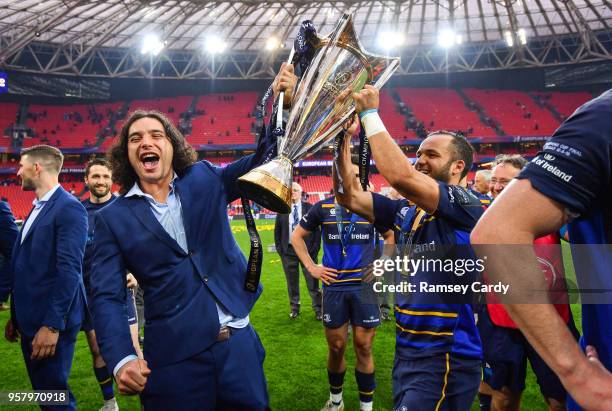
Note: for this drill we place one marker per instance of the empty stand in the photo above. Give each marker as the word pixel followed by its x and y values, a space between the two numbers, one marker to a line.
pixel 8 116
pixel 224 119
pixel 395 121
pixel 19 200
pixel 443 109
pixel 172 107
pixel 516 112
pixel 74 126
pixel 566 102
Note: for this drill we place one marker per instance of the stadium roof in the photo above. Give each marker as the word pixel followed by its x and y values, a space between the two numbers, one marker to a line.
pixel 247 26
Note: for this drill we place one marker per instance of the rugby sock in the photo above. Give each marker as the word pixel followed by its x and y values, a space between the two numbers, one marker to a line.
pixel 485 402
pixel 336 381
pixel 106 382
pixel 366 384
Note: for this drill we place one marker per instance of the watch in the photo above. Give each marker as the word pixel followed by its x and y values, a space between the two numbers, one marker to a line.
pixel 53 330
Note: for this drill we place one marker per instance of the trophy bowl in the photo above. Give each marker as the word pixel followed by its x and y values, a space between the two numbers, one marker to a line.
pixel 316 116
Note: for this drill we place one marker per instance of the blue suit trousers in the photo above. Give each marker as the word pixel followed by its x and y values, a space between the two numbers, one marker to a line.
pixel 227 376
pixel 52 373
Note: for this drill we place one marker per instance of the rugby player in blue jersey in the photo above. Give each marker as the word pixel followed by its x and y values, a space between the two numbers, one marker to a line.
pixel 349 244
pixel 570 181
pixel 438 355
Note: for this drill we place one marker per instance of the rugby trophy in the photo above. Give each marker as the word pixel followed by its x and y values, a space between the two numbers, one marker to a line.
pixel 316 116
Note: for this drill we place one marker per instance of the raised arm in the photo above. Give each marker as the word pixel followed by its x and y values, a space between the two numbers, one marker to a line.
pixel 286 81
pixel 505 234
pixel 390 160
pixel 352 196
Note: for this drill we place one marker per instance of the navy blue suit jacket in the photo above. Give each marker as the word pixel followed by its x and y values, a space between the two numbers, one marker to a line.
pixel 8 235
pixel 179 287
pixel 46 268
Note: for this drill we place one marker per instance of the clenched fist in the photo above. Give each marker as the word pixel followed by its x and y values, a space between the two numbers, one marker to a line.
pixel 285 81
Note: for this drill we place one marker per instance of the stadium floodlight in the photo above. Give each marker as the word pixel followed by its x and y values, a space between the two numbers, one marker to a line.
pixel 522 35
pixel 390 39
pixel 272 44
pixel 151 45
pixel 214 45
pixel 508 38
pixel 447 38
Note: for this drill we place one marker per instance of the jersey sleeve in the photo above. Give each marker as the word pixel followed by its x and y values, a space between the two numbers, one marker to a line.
pixel 458 206
pixel 312 220
pixel 574 167
pixel 385 211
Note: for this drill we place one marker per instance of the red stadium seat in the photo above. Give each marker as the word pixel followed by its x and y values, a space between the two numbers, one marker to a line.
pixel 516 112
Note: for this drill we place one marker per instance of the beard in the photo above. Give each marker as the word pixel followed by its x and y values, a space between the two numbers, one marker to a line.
pixel 27 184
pixel 96 193
pixel 443 174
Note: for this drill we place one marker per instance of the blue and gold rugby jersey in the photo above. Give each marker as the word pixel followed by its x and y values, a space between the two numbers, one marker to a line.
pixel 427 326
pixel 359 245
pixel 92 209
pixel 575 169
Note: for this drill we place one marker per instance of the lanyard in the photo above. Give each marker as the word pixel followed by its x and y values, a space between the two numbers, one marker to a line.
pixel 253 274
pixel 364 159
pixel 406 241
pixel 344 234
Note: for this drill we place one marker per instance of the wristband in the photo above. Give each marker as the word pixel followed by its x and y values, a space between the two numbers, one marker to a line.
pixel 368 111
pixel 372 124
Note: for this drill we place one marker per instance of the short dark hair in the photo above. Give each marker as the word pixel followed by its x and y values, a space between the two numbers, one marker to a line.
pixel 123 173
pixel 462 149
pixel 98 161
pixel 515 160
pixel 49 156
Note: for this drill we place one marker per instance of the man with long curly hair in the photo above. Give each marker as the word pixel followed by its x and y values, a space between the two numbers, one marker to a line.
pixel 170 230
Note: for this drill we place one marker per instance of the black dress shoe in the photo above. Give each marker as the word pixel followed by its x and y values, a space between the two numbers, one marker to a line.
pixel 294 314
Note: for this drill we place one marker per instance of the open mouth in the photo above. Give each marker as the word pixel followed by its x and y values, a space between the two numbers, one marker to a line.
pixel 149 161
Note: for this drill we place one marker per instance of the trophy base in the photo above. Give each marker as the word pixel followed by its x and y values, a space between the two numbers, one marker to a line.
pixel 269 185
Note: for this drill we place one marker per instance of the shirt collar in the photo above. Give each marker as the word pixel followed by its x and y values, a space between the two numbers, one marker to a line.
pixel 46 197
pixel 137 191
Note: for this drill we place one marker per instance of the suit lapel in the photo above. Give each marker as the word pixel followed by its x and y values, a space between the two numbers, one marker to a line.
pixel 141 209
pixel 41 215
pixel 18 242
pixel 182 190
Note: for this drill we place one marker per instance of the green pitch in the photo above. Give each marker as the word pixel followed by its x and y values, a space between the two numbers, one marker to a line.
pixel 295 359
